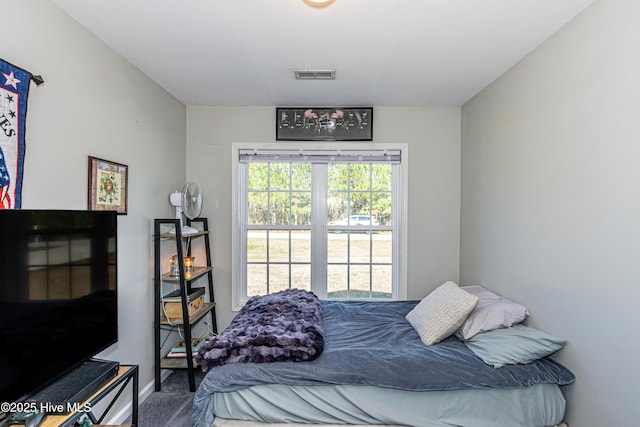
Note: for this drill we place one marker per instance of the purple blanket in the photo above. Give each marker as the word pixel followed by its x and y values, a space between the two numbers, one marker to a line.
pixel 281 326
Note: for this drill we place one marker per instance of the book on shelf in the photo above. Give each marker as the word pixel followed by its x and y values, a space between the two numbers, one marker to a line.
pixel 180 349
pixel 176 295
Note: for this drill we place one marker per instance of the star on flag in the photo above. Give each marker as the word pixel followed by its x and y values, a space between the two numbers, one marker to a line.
pixel 11 80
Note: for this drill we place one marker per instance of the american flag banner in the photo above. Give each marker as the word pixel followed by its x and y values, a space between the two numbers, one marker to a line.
pixel 14 90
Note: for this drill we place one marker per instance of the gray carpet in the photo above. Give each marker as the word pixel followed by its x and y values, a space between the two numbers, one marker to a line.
pixel 172 406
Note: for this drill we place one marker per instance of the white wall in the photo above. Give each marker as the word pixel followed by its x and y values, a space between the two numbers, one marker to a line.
pixel 433 138
pixel 95 103
pixel 551 201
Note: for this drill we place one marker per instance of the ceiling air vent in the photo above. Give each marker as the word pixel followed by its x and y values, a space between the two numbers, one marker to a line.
pixel 315 74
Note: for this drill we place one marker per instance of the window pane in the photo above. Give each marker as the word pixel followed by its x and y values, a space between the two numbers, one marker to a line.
pixel 359 177
pixel 337 248
pixel 382 248
pixel 257 246
pixel 301 276
pixel 382 281
pixel 360 203
pixel 359 281
pixel 257 208
pixel 301 208
pixel 278 246
pixel 279 176
pixel 301 246
pixel 338 206
pixel 360 250
pixel 381 207
pixel 381 177
pixel 337 281
pixel 258 174
pixel 338 177
pixel 301 176
pixel 279 208
pixel 256 279
pixel 278 277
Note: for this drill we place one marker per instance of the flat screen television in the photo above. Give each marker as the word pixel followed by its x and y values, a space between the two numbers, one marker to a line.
pixel 58 294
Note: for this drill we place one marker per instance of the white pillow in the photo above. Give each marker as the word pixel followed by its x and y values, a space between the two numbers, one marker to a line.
pixel 491 312
pixel 441 312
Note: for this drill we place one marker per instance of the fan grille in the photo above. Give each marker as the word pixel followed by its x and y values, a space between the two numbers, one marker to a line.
pixel 191 200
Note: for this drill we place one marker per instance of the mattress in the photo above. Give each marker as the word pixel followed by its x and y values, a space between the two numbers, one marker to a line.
pixel 538 405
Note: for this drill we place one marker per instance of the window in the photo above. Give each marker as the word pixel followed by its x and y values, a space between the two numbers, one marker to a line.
pixel 327 221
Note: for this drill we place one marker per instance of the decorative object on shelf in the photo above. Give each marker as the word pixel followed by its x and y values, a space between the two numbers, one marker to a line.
pixel 173 310
pixel 14 91
pixel 176 296
pixel 108 186
pixel 324 124
pixel 187 202
pixel 180 349
pixel 188 264
pixel 318 3
pixel 174 265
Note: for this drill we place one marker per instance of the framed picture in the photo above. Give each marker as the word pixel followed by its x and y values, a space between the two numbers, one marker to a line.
pixel 324 124
pixel 108 186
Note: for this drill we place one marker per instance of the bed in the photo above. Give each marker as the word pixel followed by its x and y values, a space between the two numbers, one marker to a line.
pixel 373 368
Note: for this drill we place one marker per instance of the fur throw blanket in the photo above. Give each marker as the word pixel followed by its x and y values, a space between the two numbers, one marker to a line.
pixel 281 326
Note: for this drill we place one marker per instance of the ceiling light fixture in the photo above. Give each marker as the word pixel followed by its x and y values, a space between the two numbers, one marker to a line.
pixel 318 3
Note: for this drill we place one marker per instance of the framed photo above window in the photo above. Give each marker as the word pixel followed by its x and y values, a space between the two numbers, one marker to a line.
pixel 324 124
pixel 108 186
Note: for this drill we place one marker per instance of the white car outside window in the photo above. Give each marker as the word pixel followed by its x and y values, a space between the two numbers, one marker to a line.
pixel 356 220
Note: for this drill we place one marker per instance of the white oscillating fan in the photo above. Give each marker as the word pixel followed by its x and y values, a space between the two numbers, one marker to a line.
pixel 187 202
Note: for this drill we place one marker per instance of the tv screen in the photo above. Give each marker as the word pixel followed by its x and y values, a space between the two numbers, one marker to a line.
pixel 58 294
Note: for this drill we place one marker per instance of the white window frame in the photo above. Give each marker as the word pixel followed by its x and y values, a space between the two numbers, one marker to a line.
pixel 238 293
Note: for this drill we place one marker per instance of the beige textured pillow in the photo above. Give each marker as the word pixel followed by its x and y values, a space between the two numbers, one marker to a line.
pixel 441 312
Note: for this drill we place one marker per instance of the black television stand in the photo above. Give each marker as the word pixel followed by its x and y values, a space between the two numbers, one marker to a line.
pixel 79 384
pixel 127 376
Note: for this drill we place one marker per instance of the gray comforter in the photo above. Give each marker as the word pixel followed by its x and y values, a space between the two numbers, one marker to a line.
pixel 371 343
